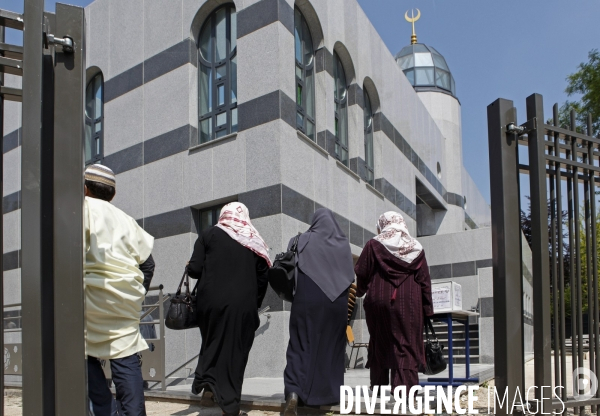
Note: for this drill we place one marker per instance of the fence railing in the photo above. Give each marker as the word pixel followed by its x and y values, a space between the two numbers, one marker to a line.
pixel 153 359
pixel 561 176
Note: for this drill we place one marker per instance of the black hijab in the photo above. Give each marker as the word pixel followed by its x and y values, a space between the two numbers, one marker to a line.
pixel 324 254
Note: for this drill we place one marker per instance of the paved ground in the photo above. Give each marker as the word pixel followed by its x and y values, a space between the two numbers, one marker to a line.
pixel 268 393
pixel 264 393
pixel 13 407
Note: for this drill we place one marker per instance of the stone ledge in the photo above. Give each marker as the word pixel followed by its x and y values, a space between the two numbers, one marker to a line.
pixel 348 170
pixel 375 191
pixel 312 143
pixel 231 136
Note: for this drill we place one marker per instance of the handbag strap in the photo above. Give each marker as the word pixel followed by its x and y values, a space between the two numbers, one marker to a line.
pixel 185 274
pixel 294 247
pixel 428 327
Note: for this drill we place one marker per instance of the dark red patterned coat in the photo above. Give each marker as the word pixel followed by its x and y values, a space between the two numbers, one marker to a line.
pixel 398 296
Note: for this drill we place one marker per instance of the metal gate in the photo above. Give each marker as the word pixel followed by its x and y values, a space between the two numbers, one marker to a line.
pixel 51 62
pixel 562 175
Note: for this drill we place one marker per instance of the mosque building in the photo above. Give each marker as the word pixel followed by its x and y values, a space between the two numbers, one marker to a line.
pixel 286 106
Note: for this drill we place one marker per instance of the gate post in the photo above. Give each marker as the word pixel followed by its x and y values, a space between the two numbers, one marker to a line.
pixel 506 249
pixel 540 255
pixel 2 34
pixel 36 272
pixel 69 323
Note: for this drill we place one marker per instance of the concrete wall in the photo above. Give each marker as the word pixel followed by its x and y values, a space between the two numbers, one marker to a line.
pixel 466 258
pixel 477 211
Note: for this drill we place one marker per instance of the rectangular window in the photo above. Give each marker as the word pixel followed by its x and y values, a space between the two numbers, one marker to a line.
pixel 299 95
pixel 87 143
pixel 209 217
pixel 205 130
pixel 234 120
pixel 233 78
pixel 205 97
pixel 310 130
pixel 221 71
pixel 220 95
pixel 221 119
pixel 299 120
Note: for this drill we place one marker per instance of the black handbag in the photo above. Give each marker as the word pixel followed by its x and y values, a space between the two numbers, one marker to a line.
pixel 434 357
pixel 284 273
pixel 182 310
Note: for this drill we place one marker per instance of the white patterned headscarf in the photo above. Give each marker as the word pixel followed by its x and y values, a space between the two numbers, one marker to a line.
pixel 235 221
pixel 393 234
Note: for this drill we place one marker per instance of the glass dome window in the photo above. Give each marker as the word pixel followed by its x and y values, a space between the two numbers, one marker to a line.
pixel 425 67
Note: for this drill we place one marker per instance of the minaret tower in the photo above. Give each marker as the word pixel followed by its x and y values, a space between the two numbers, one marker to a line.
pixel 427 71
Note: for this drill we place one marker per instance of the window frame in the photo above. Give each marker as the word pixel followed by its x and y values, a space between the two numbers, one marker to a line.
pixel 368 130
pixel 215 211
pixel 228 107
pixel 96 137
pixel 301 82
pixel 341 112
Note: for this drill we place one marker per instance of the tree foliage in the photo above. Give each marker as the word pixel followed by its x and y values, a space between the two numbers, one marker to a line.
pixel 586 81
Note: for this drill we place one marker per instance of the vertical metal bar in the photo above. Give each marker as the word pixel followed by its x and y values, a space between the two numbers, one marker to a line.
pixel 2 36
pixel 47 226
pixel 506 250
pixel 38 396
pixel 572 260
pixel 561 271
pixel 69 325
pixel 554 223
pixel 450 350
pixel 468 348
pixel 539 237
pixel 594 274
pixel 577 238
pixel 161 317
pixel 589 230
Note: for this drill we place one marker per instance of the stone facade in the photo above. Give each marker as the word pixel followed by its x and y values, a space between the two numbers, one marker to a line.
pixel 147 54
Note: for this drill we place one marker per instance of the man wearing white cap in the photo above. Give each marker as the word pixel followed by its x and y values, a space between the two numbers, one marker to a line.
pixel 118 268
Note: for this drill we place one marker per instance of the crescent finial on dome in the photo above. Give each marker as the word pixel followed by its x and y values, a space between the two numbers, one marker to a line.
pixel 413 19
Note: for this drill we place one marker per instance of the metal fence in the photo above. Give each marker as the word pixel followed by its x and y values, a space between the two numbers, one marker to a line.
pixel 561 174
pixel 153 359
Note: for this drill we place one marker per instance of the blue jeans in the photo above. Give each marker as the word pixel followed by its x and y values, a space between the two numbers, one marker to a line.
pixel 127 376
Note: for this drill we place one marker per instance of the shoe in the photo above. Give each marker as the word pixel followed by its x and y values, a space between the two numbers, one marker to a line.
pixel 208 398
pixel 291 405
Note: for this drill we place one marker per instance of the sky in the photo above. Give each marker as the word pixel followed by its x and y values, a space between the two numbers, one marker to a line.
pixel 495 49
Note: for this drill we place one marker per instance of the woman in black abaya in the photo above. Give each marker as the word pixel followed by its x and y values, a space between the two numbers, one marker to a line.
pixel 231 261
pixel 315 354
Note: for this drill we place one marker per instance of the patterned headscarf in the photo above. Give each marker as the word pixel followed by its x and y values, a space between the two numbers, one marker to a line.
pixel 393 234
pixel 235 221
